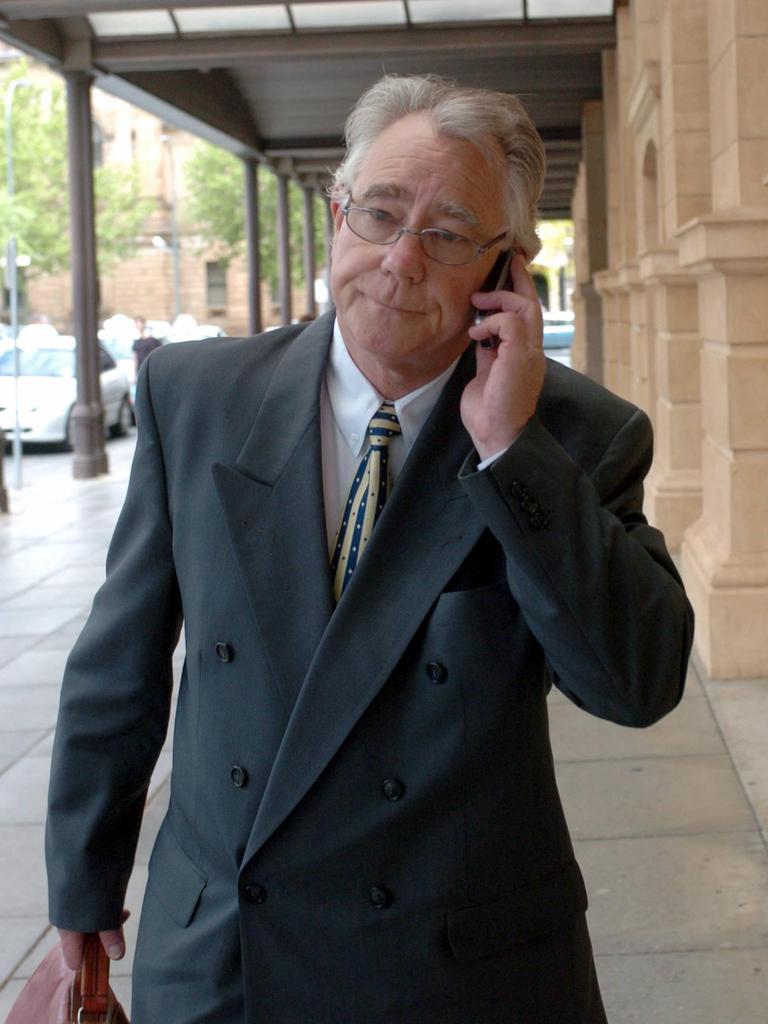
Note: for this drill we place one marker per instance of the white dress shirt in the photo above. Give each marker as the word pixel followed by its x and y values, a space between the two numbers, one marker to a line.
pixel 347 403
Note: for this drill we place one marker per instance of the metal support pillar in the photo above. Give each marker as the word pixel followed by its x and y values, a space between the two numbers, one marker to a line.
pixel 3 488
pixel 284 250
pixel 328 234
pixel 310 309
pixel 87 428
pixel 252 255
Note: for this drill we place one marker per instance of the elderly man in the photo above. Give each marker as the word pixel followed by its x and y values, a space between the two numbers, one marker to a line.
pixel 385 544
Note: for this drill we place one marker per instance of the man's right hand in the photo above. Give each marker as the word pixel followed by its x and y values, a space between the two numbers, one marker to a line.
pixel 72 944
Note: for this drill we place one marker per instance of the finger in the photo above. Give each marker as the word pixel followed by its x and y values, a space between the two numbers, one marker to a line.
pixel 113 943
pixel 72 947
pixel 522 282
pixel 498 325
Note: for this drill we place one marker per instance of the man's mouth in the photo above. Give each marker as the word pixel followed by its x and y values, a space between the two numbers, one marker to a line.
pixel 389 304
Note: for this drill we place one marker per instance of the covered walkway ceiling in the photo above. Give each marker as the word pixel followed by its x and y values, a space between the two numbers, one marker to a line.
pixel 276 80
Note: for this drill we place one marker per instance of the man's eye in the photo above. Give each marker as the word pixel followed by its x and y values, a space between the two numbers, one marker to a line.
pixel 380 215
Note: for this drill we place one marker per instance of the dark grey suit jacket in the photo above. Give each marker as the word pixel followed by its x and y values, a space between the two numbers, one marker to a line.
pixel 364 824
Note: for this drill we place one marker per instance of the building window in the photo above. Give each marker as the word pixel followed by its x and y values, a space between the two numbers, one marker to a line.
pixel 216 285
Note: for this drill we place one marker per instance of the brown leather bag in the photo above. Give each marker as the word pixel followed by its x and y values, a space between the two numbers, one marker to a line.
pixel 55 994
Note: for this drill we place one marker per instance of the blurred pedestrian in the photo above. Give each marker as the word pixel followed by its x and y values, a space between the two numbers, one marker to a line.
pixel 145 341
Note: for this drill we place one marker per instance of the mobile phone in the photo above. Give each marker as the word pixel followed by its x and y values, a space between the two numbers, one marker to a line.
pixel 498 279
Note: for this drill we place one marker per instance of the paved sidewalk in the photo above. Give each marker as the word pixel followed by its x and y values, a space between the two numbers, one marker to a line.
pixel 670 823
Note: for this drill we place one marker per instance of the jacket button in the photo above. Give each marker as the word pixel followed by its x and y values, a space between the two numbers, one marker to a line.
pixel 437 673
pixel 393 789
pixel 380 897
pixel 253 893
pixel 239 776
pixel 223 652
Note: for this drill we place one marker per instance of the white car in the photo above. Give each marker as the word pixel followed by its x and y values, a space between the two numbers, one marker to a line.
pixel 48 389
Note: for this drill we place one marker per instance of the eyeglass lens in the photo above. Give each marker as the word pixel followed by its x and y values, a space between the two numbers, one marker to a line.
pixel 443 246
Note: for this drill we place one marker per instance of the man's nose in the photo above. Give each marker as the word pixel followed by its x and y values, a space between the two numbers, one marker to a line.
pixel 406 257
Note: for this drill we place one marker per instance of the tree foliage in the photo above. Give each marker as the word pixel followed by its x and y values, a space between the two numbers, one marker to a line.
pixel 39 213
pixel 215 211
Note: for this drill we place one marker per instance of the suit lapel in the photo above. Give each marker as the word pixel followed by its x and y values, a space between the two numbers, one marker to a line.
pixel 426 530
pixel 273 504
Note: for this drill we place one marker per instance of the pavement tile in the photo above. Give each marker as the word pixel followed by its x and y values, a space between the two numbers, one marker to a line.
pixel 14 744
pixel 34 668
pixel 722 987
pixel 23 622
pixel 45 596
pixel 653 796
pixel 153 818
pixel 23 885
pixel 18 935
pixel 11 647
pixel 63 639
pixel 122 989
pixel 47 938
pixel 29 707
pixel 741 709
pixel 689 729
pixel 23 791
pixel 8 996
pixel 43 748
pixel 78 574
pixel 676 893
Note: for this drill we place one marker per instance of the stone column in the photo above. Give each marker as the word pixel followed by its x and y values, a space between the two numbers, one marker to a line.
pixel 627 277
pixel 284 250
pixel 87 428
pixel 590 251
pixel 725 553
pixel 252 253
pixel 606 281
pixel 310 310
pixel 673 489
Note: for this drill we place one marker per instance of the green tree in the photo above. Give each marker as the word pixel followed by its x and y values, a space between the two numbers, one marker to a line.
pixel 39 212
pixel 215 210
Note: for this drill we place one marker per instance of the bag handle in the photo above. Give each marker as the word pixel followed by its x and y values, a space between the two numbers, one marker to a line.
pixel 93 983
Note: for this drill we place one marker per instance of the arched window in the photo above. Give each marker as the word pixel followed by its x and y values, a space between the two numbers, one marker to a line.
pixel 650 197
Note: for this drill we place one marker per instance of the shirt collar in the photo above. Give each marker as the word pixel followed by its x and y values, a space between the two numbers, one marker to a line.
pixel 354 399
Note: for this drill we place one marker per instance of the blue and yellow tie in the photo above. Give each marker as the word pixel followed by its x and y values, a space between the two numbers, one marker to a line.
pixel 366 498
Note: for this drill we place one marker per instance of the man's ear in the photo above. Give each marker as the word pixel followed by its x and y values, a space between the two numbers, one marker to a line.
pixel 337 212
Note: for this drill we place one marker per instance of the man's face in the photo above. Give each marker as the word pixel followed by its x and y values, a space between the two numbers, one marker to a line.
pixel 404 316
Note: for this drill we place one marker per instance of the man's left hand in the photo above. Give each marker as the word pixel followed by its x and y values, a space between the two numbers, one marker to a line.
pixel 502 398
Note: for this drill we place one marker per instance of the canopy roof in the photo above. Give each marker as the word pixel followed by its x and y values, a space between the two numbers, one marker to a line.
pixel 276 80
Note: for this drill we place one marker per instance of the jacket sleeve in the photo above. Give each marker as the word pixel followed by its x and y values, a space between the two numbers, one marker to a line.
pixel 594 581
pixel 115 701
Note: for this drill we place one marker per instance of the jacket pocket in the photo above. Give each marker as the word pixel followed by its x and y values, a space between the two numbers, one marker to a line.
pixel 175 881
pixel 527 913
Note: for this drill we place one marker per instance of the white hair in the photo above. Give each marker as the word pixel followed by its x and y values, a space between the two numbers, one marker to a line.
pixel 496 123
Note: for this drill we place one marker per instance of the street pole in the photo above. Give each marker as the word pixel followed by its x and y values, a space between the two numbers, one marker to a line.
pixel 11 274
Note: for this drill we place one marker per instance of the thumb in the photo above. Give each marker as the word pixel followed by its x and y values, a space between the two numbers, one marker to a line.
pixel 113 941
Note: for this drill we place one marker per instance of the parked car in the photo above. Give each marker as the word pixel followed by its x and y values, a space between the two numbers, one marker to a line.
pixel 186 328
pixel 558 336
pixel 48 388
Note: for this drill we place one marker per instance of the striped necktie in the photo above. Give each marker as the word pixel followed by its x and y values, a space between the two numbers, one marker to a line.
pixel 366 498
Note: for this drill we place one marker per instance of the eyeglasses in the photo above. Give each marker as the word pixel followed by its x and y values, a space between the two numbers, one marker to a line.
pixel 381 228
